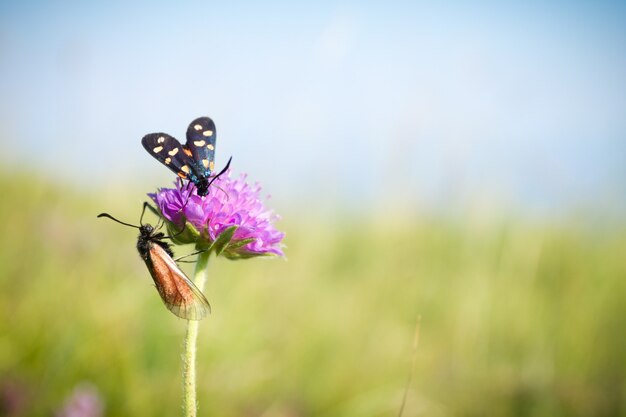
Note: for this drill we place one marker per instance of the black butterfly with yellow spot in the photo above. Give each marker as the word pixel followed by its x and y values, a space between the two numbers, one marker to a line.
pixel 195 160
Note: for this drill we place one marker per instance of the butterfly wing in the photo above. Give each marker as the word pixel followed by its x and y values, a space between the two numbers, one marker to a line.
pixel 201 137
pixel 167 150
pixel 179 294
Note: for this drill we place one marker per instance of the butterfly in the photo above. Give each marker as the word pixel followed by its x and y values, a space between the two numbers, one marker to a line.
pixel 195 160
pixel 179 294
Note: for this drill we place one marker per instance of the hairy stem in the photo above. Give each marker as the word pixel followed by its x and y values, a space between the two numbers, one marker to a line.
pixel 190 405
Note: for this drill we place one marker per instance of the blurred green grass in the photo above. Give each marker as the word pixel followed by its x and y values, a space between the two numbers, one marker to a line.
pixel 519 318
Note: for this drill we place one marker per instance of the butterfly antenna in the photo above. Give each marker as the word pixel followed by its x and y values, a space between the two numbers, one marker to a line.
pixel 116 220
pixel 221 172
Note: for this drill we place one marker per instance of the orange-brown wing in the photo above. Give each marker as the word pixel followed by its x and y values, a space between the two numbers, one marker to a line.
pixel 179 294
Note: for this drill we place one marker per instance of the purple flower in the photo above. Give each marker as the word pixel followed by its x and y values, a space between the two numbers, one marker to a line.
pixel 85 401
pixel 231 217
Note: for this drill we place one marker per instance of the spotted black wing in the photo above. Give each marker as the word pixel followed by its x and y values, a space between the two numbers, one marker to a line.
pixel 201 143
pixel 167 150
pixel 178 293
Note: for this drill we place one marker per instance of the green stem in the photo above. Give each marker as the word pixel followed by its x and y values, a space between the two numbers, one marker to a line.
pixel 190 405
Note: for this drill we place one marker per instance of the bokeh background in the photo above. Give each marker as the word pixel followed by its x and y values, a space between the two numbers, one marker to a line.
pixel 463 162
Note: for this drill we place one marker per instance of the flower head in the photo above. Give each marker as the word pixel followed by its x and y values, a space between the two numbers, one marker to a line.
pixel 231 216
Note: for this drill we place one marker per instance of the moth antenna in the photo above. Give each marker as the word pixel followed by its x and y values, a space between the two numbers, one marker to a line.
pixel 145 204
pixel 116 220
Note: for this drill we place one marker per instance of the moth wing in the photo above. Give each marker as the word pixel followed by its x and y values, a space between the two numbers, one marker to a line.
pixel 167 150
pixel 201 136
pixel 179 294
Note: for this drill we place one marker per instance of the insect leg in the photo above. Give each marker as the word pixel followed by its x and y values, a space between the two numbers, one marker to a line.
pixel 177 233
pixel 191 254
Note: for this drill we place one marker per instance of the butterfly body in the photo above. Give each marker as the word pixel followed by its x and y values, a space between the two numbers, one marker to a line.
pixel 195 160
pixel 178 292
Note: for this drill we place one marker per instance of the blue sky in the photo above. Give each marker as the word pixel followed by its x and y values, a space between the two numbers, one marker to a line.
pixel 428 104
